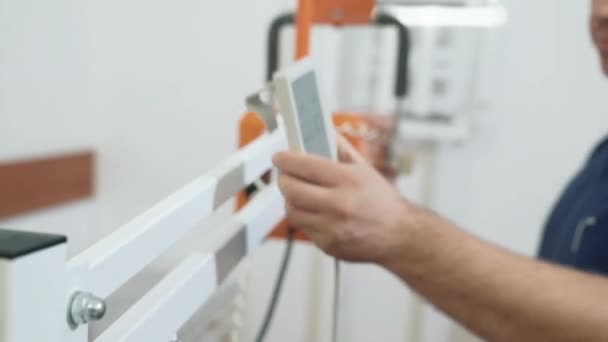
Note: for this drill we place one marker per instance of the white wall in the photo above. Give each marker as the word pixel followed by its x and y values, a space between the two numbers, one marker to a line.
pixel 156 88
pixel 44 100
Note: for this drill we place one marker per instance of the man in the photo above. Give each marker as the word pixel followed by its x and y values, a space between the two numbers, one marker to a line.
pixel 352 213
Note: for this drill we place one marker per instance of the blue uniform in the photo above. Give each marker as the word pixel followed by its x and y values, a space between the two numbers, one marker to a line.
pixel 576 233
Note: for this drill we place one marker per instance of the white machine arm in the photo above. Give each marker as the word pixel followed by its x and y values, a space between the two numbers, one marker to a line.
pixel 43 298
pixel 108 264
pixel 177 297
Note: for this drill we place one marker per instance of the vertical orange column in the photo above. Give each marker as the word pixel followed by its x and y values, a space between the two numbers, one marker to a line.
pixel 251 127
pixel 304 23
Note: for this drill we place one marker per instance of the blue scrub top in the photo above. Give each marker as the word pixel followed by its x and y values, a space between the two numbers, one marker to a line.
pixel 576 233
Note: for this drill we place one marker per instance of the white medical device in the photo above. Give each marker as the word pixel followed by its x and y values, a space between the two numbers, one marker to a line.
pixel 307 123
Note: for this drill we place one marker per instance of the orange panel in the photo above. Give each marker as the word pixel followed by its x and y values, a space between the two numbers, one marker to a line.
pixel 281 231
pixel 251 127
pixel 333 12
pixel 343 12
pixel 370 135
pixel 304 22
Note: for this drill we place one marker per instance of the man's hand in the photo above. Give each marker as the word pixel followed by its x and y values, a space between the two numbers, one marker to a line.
pixel 347 208
pixel 351 212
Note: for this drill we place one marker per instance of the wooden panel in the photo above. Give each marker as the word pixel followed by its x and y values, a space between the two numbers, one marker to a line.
pixel 41 183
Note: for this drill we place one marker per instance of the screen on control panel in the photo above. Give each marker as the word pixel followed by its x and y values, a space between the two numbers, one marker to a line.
pixel 310 115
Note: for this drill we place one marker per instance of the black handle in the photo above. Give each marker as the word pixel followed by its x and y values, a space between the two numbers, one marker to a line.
pixel 403 52
pixel 383 19
pixel 274 42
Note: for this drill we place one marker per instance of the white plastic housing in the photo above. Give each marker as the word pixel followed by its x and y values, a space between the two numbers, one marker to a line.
pixel 307 123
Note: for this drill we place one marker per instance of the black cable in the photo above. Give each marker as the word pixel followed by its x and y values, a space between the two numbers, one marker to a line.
pixel 336 309
pixel 278 286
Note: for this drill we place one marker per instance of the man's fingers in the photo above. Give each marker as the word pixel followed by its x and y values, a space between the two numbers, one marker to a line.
pixel 314 226
pixel 308 222
pixel 311 168
pixel 346 152
pixel 302 195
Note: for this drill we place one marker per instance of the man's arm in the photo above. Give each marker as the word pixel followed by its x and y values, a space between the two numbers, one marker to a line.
pixel 499 295
pixel 352 213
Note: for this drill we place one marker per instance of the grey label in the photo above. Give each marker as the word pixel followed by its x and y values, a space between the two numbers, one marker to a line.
pixel 229 185
pixel 311 116
pixel 231 254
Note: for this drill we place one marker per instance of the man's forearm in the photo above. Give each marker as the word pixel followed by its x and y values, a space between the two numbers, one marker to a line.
pixel 352 213
pixel 499 295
